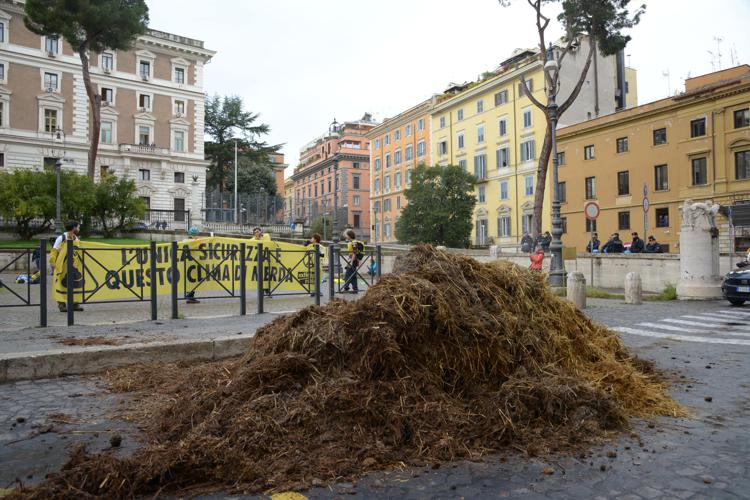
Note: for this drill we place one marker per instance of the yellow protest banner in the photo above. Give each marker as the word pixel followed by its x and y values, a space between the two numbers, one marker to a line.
pixel 120 272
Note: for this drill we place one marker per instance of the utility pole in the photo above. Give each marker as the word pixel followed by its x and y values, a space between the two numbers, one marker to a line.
pixel 236 201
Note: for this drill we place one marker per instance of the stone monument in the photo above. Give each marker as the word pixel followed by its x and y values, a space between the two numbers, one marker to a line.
pixel 699 252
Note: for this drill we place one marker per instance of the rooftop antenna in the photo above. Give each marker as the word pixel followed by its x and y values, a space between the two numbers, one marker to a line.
pixel 669 85
pixel 713 61
pixel 733 55
pixel 718 40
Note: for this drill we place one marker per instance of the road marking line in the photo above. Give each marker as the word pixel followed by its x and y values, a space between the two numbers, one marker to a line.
pixel 685 329
pixel 669 336
pixel 672 328
pixel 725 320
pixel 727 316
pixel 692 323
pixel 735 311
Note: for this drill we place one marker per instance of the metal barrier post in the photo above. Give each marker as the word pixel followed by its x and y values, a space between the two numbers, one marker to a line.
pixel 316 249
pixel 243 280
pixel 259 268
pixel 379 261
pixel 173 267
pixel 152 278
pixel 69 303
pixel 42 283
pixel 331 271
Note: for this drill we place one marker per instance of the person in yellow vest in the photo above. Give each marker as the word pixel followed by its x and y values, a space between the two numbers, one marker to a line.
pixel 72 228
pixel 356 251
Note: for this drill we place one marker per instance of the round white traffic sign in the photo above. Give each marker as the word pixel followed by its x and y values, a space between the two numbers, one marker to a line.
pixel 646 204
pixel 591 210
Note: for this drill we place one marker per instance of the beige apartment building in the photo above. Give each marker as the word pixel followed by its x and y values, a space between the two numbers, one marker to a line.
pixel 692 146
pixel 152 112
pixel 396 146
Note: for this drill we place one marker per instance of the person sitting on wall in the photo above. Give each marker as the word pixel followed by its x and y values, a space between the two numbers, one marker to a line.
pixel 527 243
pixel 614 245
pixel 596 243
pixel 636 246
pixel 652 246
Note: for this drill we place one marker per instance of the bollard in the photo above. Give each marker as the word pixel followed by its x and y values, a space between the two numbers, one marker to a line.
pixel 577 289
pixel 633 289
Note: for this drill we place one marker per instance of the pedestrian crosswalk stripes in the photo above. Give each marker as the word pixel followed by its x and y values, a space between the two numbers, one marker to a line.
pixel 687 338
pixel 720 327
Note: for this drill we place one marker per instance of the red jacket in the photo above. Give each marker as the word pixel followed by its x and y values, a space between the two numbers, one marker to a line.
pixel 536 261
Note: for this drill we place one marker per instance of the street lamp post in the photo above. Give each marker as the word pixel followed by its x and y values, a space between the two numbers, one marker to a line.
pixel 557 266
pixel 335 228
pixel 59 135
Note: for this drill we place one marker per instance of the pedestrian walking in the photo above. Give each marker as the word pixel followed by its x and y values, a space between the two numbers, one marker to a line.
pixel 356 252
pixel 72 228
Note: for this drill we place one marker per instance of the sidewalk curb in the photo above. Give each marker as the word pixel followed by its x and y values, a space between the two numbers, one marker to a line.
pixel 82 360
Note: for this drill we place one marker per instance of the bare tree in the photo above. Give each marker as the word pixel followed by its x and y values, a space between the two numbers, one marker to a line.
pixel 601 22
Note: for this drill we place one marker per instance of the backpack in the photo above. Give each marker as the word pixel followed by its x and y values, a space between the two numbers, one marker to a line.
pixel 359 249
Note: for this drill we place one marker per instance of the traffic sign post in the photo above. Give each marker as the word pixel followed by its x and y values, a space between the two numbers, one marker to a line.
pixel 646 206
pixel 591 211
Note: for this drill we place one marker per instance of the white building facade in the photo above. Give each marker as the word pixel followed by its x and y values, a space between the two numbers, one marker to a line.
pixel 152 112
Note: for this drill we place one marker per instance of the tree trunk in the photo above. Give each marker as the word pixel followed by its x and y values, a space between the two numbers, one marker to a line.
pixel 95 99
pixel 541 180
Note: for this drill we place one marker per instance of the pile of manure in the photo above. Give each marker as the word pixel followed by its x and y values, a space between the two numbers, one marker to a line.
pixel 445 358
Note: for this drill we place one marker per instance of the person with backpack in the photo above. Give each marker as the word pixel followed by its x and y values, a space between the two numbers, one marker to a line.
pixel 356 251
pixel 72 228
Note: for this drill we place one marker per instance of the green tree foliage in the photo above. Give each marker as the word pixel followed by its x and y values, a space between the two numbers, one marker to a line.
pixel 322 226
pixel 440 207
pixel 28 201
pixel 89 26
pixel 252 176
pixel 116 206
pixel 226 122
pixel 603 21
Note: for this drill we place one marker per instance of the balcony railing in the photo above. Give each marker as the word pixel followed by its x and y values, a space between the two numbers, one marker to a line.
pixel 143 149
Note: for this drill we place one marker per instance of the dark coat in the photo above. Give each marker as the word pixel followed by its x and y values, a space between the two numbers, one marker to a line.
pixel 636 246
pixel 653 248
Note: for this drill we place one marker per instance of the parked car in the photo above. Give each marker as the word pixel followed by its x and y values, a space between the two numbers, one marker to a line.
pixel 736 285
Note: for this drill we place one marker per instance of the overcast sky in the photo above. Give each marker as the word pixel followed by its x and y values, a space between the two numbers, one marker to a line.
pixel 302 63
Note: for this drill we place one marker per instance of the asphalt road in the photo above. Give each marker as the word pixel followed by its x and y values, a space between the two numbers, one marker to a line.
pixel 705 344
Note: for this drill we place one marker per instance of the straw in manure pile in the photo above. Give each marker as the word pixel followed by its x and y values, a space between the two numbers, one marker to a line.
pixel 445 358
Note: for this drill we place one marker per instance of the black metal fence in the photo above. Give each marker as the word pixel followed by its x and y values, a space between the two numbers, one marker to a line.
pixel 160 219
pixel 254 209
pixel 36 262
pixel 305 268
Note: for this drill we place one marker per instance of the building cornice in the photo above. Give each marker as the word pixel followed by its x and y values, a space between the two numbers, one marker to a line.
pixel 403 118
pixel 500 80
pixel 663 106
pixel 327 163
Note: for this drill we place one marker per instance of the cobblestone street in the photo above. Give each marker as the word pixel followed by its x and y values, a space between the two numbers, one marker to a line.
pixel 700 457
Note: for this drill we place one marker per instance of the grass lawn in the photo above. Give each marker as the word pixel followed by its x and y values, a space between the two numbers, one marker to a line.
pixel 5 244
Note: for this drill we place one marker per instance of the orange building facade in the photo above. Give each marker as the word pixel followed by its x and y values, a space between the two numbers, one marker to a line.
pixel 396 146
pixel 334 171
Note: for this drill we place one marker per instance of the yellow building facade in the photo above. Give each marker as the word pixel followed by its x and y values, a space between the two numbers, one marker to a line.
pixel 494 131
pixel 694 146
